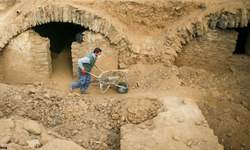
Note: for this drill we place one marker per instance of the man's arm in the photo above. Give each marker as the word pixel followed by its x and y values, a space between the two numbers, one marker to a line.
pixel 84 60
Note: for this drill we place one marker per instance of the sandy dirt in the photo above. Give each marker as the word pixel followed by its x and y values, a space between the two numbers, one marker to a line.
pixel 223 97
pixel 227 112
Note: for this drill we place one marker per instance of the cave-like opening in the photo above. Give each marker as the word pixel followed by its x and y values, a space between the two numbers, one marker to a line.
pixel 243 36
pixel 59 34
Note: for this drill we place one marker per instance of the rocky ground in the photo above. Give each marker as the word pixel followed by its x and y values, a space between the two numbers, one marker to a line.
pixel 45 115
pixel 71 115
pixel 94 121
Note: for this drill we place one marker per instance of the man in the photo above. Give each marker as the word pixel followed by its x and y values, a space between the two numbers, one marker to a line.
pixel 85 65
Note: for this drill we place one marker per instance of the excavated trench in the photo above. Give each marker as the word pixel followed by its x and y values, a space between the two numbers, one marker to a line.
pixel 114 137
pixel 59 34
pixel 222 85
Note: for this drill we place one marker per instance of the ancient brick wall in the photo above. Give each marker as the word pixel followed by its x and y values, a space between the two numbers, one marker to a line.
pixel 108 59
pixel 212 51
pixel 26 59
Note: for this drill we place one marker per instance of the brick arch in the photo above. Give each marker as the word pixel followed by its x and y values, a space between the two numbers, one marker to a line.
pixel 171 44
pixel 57 13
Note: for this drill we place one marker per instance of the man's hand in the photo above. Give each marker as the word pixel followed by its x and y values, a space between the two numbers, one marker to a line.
pixel 84 71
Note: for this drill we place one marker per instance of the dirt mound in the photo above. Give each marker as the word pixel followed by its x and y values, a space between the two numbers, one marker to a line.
pixel 91 123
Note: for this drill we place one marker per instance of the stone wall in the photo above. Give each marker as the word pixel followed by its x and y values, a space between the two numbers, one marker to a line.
pixel 39 15
pixel 108 59
pixel 26 59
pixel 210 51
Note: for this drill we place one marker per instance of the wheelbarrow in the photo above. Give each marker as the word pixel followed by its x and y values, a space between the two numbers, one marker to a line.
pixel 116 78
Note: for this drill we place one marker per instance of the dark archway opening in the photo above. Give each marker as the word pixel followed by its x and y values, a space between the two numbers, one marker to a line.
pixel 59 34
pixel 242 38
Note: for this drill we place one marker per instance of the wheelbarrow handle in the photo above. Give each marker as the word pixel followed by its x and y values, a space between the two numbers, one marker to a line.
pixel 98 68
pixel 92 74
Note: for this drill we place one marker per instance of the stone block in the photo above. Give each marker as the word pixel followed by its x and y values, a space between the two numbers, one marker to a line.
pixel 176 48
pixel 47 13
pixel 41 60
pixel 135 49
pixel 214 20
pixel 231 21
pixel 170 51
pixel 60 14
pixel 78 14
pixel 223 22
pixel 14 27
pixel 51 12
pixel 102 26
pixel 34 17
pixel 199 26
pixel 42 15
pixel 243 18
pixel 176 42
pixel 81 13
pixel 117 39
pixel 182 41
pixel 122 66
pixel 86 18
pixel 97 24
pixel 213 24
pixel 186 35
pixel 91 18
pixel 39 21
pixel 67 14
pixel 6 35
pixel 112 33
pixel 55 13
pixel 237 20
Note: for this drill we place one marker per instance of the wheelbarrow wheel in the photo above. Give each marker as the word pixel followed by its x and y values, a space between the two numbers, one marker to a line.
pixel 122 90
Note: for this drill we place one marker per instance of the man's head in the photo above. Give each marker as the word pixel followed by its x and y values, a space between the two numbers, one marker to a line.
pixel 97 52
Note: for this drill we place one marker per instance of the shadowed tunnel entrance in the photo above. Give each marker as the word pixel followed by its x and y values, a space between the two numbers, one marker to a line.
pixel 61 36
pixel 242 40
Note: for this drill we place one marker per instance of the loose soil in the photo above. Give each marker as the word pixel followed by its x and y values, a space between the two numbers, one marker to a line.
pixel 223 97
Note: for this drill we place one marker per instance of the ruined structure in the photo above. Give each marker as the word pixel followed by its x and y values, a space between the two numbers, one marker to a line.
pixel 165 44
pixel 162 48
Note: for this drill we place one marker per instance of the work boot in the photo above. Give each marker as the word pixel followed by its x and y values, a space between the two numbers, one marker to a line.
pixel 71 88
pixel 84 92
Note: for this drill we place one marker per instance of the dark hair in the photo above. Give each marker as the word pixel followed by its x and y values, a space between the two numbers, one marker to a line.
pixel 97 50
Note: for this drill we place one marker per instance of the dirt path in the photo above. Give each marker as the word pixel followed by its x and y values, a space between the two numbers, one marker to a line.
pixel 62 69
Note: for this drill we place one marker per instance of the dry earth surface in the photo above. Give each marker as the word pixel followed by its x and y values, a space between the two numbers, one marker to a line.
pixel 94 121
pixel 45 115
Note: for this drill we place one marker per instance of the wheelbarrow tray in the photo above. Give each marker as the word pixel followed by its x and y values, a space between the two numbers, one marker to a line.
pixel 116 78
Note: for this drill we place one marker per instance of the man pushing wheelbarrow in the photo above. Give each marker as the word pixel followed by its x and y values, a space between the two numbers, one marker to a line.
pixel 85 66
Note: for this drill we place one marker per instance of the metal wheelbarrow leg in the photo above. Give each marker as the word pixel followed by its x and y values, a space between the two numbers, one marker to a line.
pixel 122 87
